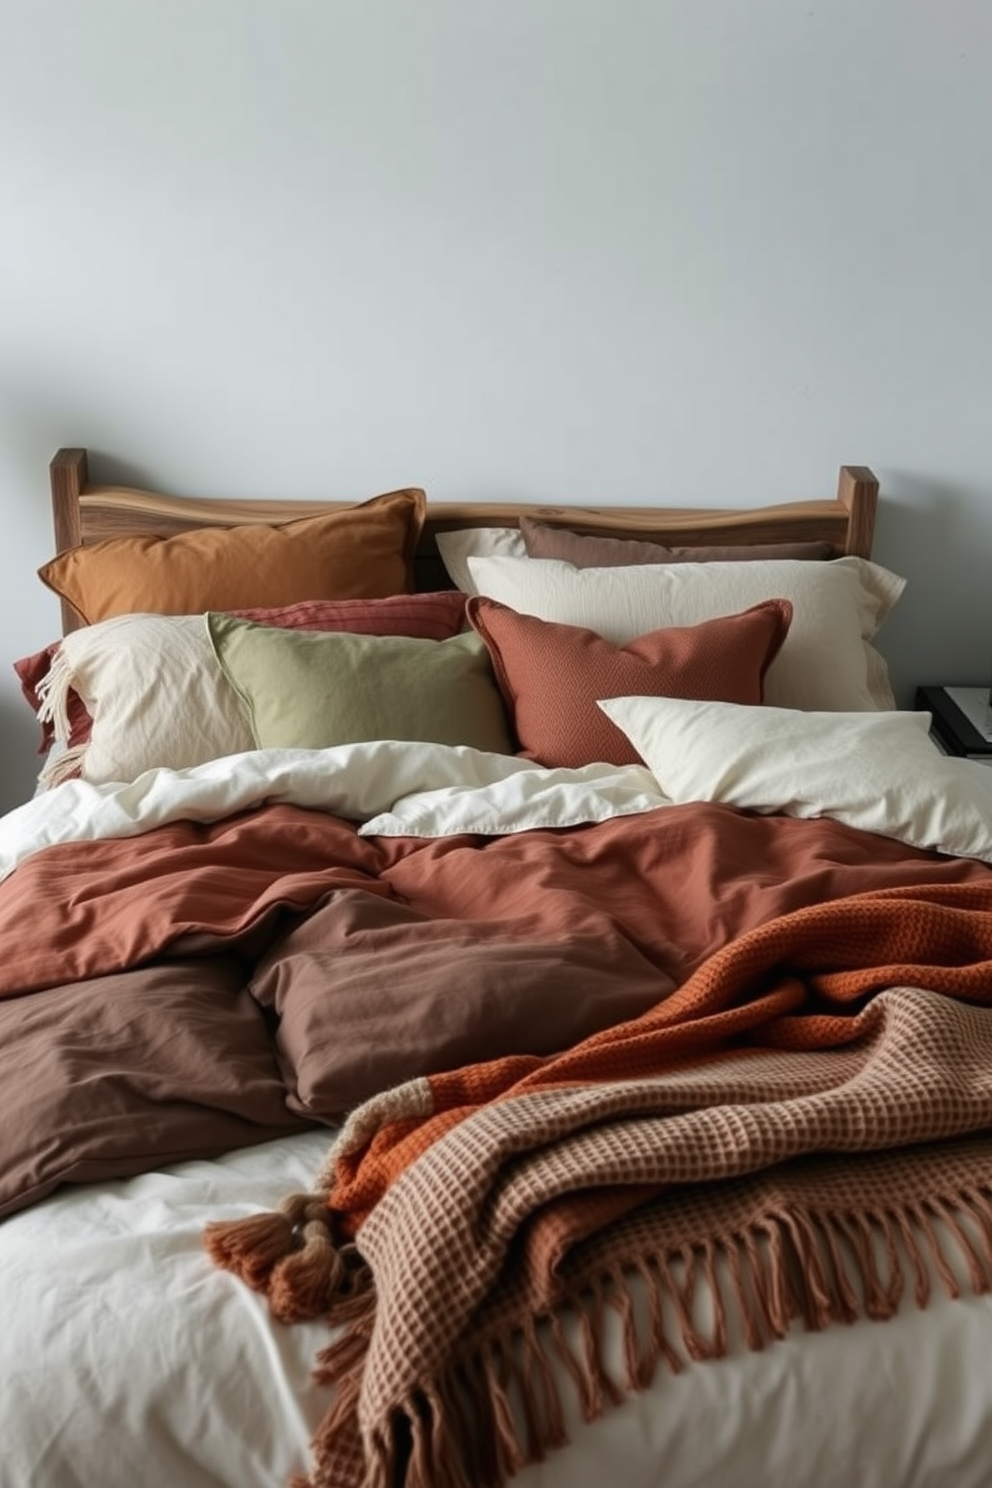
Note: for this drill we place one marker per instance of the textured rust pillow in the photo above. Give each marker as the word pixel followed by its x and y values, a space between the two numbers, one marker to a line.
pixel 361 552
pixel 552 675
pixel 582 551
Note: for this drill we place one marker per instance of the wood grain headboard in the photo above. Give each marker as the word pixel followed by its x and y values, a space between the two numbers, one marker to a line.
pixel 88 512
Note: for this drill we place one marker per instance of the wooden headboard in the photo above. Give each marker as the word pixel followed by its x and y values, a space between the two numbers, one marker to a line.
pixel 89 512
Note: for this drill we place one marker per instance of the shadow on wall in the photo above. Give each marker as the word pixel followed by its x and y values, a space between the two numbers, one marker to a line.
pixel 19 759
pixel 939 538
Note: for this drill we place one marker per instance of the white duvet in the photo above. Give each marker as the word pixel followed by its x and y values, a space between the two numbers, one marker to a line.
pixel 394 788
pixel 128 1361
pixel 878 772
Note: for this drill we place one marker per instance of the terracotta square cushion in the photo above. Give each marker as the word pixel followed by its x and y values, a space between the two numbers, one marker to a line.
pixel 363 551
pixel 552 675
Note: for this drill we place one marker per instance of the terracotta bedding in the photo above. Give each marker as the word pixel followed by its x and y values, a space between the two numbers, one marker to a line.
pixel 438 952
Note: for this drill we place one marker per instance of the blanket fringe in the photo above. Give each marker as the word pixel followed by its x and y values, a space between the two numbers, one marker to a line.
pixel 289 1254
pixel 500 1405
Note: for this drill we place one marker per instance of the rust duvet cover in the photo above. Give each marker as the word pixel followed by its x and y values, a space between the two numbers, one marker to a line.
pixel 569 1061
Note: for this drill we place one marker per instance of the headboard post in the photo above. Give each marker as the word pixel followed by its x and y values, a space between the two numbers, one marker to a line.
pixel 68 474
pixel 857 490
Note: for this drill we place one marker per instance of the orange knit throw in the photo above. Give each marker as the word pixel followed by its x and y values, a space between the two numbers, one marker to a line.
pixel 776 1113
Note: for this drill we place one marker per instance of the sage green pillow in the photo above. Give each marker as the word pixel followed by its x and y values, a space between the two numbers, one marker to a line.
pixel 313 689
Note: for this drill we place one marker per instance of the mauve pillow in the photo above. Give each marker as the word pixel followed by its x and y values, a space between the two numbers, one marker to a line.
pixel 370 993
pixel 584 551
pixel 117 1074
pixel 551 675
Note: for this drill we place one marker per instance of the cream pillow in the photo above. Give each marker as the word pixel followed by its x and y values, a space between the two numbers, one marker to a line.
pixel 457 547
pixel 155 694
pixel 879 772
pixel 825 663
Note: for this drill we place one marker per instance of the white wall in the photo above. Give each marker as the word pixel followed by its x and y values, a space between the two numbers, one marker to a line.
pixel 594 250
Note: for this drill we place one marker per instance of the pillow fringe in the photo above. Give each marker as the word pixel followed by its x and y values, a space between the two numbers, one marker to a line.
pixel 53 695
pixel 66 765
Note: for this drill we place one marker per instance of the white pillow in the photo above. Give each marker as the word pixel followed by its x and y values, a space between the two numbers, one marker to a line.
pixel 877 771
pixel 476 542
pixel 825 662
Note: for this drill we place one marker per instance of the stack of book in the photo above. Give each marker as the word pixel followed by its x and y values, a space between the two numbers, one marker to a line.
pixel 961 720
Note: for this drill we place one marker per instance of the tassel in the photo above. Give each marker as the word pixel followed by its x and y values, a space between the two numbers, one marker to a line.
pixel 954 1221
pixel 735 1264
pixel 498 1374
pixel 251 1248
pixel 681 1295
pixel 815 1294
pixel 659 1344
pixel 909 1239
pixel 784 1307
pixel 541 1386
pixel 846 1305
pixel 303 1284
pixel 718 1343
pixel 568 1357
pixel 927 1215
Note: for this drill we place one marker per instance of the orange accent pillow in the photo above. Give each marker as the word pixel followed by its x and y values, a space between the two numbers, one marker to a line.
pixel 361 552
pixel 552 675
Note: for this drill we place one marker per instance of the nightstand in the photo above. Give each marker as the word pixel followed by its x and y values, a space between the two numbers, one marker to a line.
pixel 962 720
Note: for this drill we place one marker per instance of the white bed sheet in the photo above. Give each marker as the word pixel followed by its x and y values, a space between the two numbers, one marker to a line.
pixel 113 1319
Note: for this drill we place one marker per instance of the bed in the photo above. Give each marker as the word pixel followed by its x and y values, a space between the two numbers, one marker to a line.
pixel 492 994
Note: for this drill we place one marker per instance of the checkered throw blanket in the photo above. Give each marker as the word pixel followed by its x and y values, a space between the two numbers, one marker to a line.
pixel 813 1098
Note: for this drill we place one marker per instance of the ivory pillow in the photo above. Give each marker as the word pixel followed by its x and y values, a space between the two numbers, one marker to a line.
pixel 879 772
pixel 826 662
pixel 476 542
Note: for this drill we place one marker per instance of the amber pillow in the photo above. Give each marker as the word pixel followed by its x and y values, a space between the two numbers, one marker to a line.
pixel 551 676
pixel 582 551
pixel 359 552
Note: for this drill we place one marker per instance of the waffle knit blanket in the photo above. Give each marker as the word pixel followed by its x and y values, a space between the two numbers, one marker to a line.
pixel 803 1116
